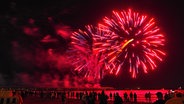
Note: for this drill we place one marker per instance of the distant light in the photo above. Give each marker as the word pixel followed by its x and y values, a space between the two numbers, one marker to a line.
pixel 179 88
pixel 172 91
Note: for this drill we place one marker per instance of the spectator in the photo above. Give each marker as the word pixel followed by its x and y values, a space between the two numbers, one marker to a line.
pixel 118 99
pixel 146 96
pixel 19 97
pixel 103 98
pixel 178 99
pixel 131 96
pixel 126 97
pixel 166 97
pixel 84 98
pixel 63 97
pixel 149 97
pixel 91 98
pixel 110 95
pixel 159 98
pixel 135 97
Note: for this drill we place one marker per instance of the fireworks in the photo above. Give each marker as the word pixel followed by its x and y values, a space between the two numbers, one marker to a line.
pixel 134 42
pixel 85 58
pixel 127 40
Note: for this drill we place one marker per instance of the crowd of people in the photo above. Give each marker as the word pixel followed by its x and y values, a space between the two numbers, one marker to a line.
pixel 86 97
pixel 169 98
pixel 10 97
pixel 92 96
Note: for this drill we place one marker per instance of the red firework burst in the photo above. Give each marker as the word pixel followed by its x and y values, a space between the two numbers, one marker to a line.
pixel 87 61
pixel 133 41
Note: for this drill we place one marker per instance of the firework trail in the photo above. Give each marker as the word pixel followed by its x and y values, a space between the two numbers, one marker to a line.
pixel 86 58
pixel 134 42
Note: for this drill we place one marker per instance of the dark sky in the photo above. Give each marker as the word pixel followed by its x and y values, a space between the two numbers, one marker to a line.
pixel 77 13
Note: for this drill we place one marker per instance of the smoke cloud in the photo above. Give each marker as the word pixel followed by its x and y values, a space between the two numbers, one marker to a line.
pixel 41 56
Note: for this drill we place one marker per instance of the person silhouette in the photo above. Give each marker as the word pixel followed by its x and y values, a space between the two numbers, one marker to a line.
pixel 160 99
pixel 118 99
pixel 135 97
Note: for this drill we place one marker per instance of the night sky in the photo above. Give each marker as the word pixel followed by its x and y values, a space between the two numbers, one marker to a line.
pixel 18 48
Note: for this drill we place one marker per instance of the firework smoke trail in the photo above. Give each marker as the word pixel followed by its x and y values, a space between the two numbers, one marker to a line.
pixel 41 58
pixel 133 39
pixel 87 59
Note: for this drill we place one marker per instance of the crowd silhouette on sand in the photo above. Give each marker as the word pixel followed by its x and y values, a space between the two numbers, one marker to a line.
pixel 103 98
pixel 83 97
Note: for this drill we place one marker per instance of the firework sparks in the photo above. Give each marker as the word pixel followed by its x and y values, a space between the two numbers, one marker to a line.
pixel 87 59
pixel 134 41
